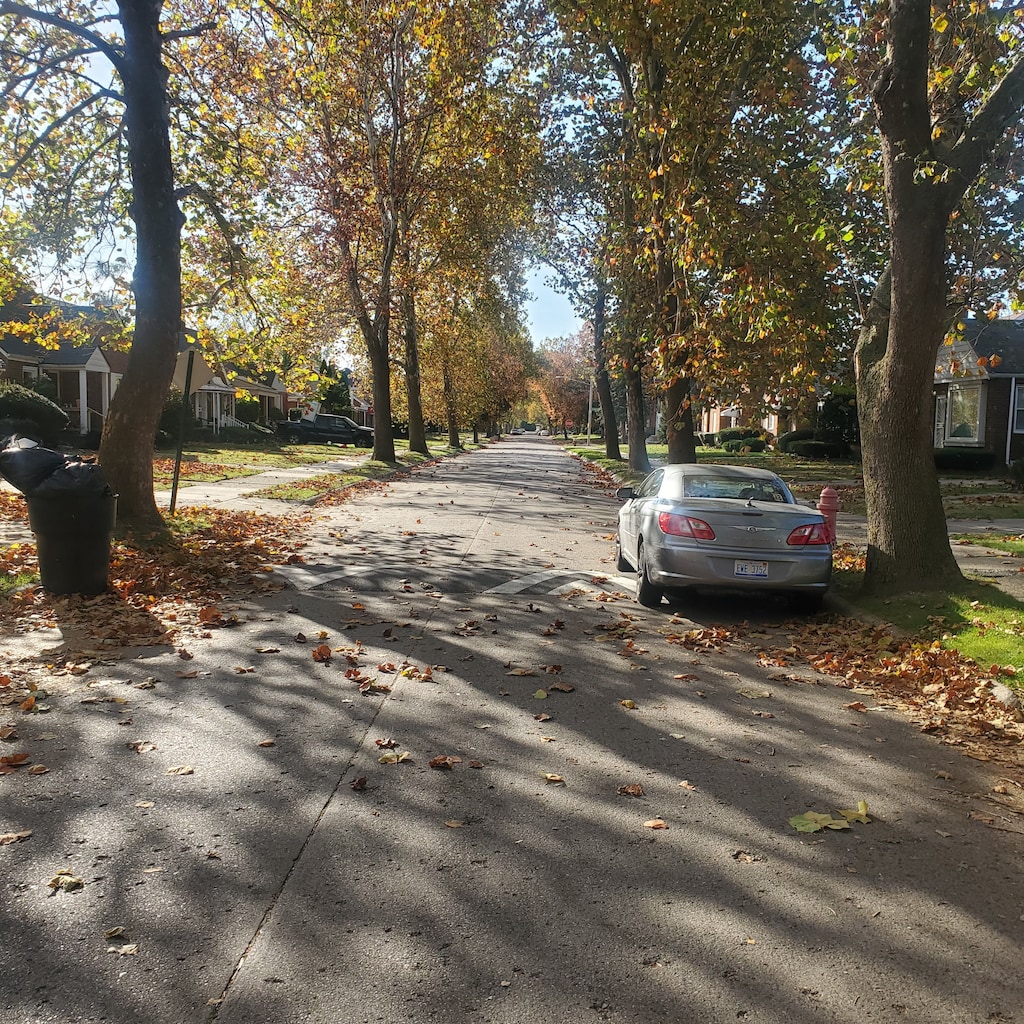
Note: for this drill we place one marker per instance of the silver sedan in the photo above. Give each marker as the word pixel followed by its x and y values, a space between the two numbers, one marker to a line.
pixel 722 526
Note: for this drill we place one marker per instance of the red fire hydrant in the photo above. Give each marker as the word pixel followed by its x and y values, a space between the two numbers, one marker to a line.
pixel 828 506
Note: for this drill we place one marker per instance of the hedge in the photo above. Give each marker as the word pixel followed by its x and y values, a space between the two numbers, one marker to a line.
pixel 23 411
pixel 818 449
pixel 785 440
pixel 964 458
pixel 738 434
pixel 753 444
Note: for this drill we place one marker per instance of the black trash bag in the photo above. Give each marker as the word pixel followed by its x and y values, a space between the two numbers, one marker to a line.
pixel 73 478
pixel 27 467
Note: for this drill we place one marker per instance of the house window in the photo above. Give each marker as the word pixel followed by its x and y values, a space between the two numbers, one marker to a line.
pixel 1018 409
pixel 965 415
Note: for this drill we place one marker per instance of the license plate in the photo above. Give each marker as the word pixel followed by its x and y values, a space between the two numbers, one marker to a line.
pixel 751 569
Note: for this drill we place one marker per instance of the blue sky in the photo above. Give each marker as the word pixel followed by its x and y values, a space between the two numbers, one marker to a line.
pixel 549 315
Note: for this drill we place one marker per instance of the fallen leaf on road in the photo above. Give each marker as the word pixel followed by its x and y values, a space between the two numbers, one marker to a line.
pixel 655 823
pixel 540 694
pixel 6 838
pixel 633 790
pixel 141 747
pixel 180 769
pixel 521 672
pixel 359 784
pixel 812 821
pixel 267 743
pixel 687 785
pixel 553 779
pixel 38 769
pixel 755 694
pixel 859 815
pixel 455 824
pixel 65 881
pixel 444 761
pixel 857 705
pixel 562 687
pixel 631 704
pixel 322 653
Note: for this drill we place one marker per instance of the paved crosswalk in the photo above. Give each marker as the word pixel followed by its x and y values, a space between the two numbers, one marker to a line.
pixel 494 580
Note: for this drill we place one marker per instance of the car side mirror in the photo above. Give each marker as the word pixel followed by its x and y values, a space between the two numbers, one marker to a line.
pixel 625 493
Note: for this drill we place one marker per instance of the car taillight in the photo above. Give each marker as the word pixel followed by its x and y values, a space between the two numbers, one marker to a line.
pixel 812 533
pixel 684 526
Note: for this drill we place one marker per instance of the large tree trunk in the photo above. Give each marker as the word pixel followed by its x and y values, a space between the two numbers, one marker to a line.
pixel 417 431
pixel 126 449
pixel 636 424
pixel 604 388
pixel 451 405
pixel 682 446
pixel 908 545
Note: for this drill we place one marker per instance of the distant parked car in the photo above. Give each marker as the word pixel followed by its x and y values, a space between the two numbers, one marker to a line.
pixel 323 428
pixel 517 430
pixel 691 526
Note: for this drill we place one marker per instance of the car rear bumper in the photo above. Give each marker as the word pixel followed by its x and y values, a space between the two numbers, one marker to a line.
pixel 804 569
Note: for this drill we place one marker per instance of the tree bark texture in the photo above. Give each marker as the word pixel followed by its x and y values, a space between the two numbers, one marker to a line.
pixel 682 445
pixel 636 425
pixel 451 405
pixel 604 388
pixel 417 430
pixel 126 449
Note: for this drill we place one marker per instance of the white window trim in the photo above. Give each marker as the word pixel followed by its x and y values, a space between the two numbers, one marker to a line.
pixel 965 442
pixel 1017 398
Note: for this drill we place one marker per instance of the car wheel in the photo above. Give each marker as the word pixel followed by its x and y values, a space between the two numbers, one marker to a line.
pixel 621 564
pixel 647 593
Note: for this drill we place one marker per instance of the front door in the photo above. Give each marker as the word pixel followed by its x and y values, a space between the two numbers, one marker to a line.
pixel 940 420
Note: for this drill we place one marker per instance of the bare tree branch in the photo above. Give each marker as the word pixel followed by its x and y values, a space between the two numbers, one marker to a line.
pixel 112 53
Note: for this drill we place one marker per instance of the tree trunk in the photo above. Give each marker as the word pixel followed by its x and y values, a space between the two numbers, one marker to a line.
pixel 636 427
pixel 126 449
pixel 682 446
pixel 908 543
pixel 417 431
pixel 604 388
pixel 451 405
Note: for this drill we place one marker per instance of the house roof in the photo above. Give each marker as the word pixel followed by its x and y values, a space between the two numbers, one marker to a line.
pixel 66 355
pixel 987 348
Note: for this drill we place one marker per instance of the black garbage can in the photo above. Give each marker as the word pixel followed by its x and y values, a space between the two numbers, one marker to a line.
pixel 73 534
pixel 71 511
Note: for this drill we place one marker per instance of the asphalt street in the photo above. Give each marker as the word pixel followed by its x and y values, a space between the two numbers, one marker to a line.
pixel 450 820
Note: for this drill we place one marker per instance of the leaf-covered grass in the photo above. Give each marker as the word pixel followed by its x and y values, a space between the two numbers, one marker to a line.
pixel 1010 543
pixel 193 471
pixel 315 488
pixel 978 620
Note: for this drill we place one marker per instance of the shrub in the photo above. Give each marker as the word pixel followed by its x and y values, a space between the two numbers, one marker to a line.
pixel 1017 474
pixel 23 411
pixel 170 418
pixel 274 415
pixel 818 449
pixel 837 418
pixel 785 440
pixel 738 434
pixel 247 408
pixel 964 458
pixel 752 444
pixel 707 440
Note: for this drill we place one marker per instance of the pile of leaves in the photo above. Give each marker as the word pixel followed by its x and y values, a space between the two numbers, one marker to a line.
pixel 948 694
pixel 13 507
pixel 158 585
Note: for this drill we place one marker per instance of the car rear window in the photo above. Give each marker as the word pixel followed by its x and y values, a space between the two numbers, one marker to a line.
pixel 731 487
